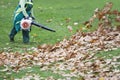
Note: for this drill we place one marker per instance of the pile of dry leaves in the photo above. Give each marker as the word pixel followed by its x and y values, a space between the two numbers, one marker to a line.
pixel 76 55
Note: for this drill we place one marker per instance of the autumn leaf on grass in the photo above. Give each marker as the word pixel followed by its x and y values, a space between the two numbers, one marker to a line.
pixel 68 20
pixel 49 20
pixel 70 28
pixel 75 23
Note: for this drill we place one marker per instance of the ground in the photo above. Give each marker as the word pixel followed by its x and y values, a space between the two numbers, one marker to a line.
pixel 87 53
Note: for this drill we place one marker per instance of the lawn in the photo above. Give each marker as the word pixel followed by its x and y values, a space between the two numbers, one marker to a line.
pixel 57 15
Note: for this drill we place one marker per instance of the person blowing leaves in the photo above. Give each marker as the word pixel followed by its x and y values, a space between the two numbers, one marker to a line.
pixel 23 10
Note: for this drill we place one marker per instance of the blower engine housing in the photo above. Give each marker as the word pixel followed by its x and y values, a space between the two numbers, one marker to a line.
pixel 25 24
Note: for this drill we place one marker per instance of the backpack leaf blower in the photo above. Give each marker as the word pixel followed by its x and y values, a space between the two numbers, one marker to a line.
pixel 26 24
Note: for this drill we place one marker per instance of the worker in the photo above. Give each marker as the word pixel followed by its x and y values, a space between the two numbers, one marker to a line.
pixel 23 10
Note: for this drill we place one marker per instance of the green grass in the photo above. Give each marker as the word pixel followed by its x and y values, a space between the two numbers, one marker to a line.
pixel 58 11
pixel 108 54
pixel 35 70
pixel 44 10
pixel 29 71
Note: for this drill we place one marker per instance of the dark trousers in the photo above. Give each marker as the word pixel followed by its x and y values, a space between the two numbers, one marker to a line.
pixel 25 34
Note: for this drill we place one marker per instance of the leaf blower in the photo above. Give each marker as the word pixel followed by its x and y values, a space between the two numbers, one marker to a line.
pixel 26 24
